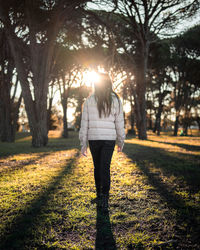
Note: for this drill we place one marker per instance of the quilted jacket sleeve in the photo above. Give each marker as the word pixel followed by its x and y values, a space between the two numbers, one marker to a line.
pixel 83 133
pixel 119 125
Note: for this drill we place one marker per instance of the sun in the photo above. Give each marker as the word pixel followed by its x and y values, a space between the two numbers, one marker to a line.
pixel 89 77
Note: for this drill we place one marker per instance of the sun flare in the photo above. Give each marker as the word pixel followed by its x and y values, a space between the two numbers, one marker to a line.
pixel 89 77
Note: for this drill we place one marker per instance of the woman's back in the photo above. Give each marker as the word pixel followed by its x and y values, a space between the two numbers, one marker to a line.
pixel 102 128
pixel 106 127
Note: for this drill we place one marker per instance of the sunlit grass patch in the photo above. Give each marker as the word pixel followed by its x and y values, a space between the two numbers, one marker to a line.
pixel 21 187
pixel 138 240
pixel 46 196
pixel 171 168
pixel 170 144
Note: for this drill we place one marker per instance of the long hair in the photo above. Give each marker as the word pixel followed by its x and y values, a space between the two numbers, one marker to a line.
pixel 103 94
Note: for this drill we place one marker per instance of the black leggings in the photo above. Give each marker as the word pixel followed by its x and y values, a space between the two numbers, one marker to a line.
pixel 102 151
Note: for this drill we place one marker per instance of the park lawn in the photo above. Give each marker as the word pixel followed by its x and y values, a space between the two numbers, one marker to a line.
pixel 46 195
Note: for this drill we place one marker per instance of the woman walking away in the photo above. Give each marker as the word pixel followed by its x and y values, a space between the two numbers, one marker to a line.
pixel 102 125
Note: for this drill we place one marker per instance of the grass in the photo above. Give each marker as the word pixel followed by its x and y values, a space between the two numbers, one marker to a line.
pixel 46 196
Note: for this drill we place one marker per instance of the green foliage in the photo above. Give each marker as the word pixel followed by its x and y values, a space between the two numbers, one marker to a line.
pixel 190 39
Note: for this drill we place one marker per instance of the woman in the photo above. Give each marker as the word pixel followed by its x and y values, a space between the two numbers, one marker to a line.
pixel 102 125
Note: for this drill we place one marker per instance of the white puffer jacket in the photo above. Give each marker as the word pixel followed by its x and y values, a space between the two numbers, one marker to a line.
pixel 105 128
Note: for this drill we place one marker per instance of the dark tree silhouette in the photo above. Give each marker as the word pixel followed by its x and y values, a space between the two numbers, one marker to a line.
pixel 186 84
pixel 9 102
pixel 32 28
pixel 145 19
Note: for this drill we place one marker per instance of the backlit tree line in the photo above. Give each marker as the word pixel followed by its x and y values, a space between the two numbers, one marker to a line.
pixel 46 45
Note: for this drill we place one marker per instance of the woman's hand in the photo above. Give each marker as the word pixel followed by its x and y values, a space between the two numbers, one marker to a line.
pixel 119 149
pixel 84 151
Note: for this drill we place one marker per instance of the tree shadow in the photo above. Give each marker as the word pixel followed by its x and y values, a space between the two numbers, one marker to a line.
pixel 181 145
pixel 21 230
pixel 104 235
pixel 20 164
pixel 144 156
pixel 184 166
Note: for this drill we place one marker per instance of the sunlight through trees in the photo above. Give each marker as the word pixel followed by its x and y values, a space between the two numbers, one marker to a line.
pixel 50 51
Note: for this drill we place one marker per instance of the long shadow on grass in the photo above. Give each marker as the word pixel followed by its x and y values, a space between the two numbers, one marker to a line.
pixel 183 166
pixel 104 235
pixel 143 156
pixel 20 233
pixel 18 165
pixel 181 145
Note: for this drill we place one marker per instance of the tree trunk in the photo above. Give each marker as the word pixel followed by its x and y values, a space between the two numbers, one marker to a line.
pixel 198 122
pixel 9 118
pixel 36 113
pixel 64 92
pixel 9 109
pixel 37 118
pixel 141 109
pixel 39 134
pixel 65 127
pixel 79 109
pixel 157 126
pixel 141 91
pixel 176 125
pixel 150 121
pixel 132 118
pixel 132 122
pixel 5 112
pixel 36 109
pixel 142 133
pixel 16 115
pixel 6 127
pixel 50 103
pixel 186 125
pixel 49 113
pixel 158 115
pixel 185 130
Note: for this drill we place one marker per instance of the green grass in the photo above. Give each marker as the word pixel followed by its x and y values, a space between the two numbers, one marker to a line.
pixel 46 195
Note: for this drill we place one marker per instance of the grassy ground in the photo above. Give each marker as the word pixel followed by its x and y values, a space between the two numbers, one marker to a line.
pixel 46 196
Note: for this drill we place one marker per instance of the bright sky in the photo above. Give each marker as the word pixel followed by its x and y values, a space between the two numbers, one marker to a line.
pixel 180 27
